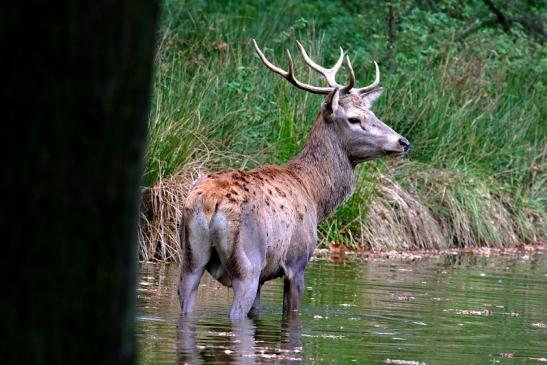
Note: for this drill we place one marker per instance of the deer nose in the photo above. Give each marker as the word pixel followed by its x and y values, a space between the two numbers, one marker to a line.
pixel 404 143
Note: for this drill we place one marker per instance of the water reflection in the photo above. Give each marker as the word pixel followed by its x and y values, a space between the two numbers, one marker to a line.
pixel 239 342
pixel 453 309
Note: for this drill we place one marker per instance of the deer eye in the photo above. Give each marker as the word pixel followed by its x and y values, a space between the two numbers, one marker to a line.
pixel 354 120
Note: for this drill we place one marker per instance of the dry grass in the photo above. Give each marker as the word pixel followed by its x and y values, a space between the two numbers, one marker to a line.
pixel 433 210
pixel 474 211
pixel 398 220
pixel 417 207
pixel 459 209
pixel 161 212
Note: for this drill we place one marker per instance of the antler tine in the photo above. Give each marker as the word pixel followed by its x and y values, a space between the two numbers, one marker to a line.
pixel 268 64
pixel 375 83
pixel 328 73
pixel 290 74
pixel 349 86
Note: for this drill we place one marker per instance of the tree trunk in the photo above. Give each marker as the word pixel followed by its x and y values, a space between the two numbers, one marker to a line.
pixel 77 89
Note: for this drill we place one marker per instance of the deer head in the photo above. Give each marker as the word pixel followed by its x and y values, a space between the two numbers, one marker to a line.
pixel 346 110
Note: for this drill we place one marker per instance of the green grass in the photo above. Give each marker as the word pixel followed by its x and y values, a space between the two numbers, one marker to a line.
pixel 475 113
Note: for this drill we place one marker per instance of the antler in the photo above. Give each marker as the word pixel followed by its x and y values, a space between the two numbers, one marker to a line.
pixel 328 73
pixel 376 82
pixel 289 75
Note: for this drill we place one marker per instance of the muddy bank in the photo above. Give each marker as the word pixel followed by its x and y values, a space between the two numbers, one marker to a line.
pixel 336 252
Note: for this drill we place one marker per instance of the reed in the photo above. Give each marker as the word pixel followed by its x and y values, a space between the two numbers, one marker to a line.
pixel 476 172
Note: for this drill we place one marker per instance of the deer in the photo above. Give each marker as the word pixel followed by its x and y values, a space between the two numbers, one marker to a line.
pixel 249 227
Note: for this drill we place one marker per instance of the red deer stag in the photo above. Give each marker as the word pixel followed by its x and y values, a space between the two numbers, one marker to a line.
pixel 246 228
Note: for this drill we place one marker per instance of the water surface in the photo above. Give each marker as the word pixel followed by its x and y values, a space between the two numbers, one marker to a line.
pixel 452 309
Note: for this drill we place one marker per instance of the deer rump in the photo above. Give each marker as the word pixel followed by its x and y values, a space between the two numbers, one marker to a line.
pixel 246 229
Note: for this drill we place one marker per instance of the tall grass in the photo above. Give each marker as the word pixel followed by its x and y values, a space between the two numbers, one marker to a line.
pixel 476 173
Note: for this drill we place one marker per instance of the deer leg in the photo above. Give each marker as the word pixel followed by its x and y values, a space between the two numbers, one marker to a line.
pixel 293 290
pixel 196 253
pixel 256 304
pixel 245 293
pixel 248 255
pixel 286 291
pixel 189 283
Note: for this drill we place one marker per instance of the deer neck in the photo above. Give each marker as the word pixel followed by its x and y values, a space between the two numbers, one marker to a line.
pixel 325 169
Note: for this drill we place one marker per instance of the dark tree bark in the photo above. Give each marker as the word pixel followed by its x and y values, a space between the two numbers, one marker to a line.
pixel 76 93
pixel 502 20
pixel 531 25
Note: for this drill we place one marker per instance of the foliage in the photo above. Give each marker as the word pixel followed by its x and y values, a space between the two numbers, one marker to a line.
pixel 469 97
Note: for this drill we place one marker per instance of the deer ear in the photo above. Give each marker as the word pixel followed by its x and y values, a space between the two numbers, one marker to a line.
pixel 370 97
pixel 330 105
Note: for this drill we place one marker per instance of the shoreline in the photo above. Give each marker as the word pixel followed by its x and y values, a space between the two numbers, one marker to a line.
pixel 341 253
pixel 338 253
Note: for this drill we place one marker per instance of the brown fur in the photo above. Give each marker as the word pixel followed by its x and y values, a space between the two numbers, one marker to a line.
pixel 309 179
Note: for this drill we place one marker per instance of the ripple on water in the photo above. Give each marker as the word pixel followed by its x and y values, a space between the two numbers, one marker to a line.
pixel 444 310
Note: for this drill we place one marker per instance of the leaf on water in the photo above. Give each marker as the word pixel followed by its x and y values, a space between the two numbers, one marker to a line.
pixel 332 336
pixel 472 312
pixel 402 269
pixel 403 297
pixel 403 362
pixel 539 325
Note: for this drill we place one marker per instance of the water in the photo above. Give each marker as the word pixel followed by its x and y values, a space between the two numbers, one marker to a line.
pixel 452 309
